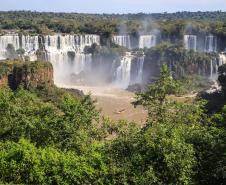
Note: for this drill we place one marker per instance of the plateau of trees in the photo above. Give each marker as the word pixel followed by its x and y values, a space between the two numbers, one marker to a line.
pixel 169 25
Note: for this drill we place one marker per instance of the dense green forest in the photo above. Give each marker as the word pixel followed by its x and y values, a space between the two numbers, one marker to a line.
pixel 107 24
pixel 52 136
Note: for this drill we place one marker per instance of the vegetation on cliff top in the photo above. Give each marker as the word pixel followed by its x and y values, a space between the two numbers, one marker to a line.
pixel 26 74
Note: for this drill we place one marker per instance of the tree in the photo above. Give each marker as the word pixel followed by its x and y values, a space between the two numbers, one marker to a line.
pixel 23 163
pixel 155 98
pixel 156 155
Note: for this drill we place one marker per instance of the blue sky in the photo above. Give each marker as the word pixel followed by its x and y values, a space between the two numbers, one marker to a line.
pixel 113 6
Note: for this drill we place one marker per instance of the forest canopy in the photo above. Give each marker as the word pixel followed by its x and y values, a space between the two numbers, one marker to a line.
pixel 47 22
pixel 52 136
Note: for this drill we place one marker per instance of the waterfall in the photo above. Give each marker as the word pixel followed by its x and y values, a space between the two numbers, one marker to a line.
pixel 65 66
pixel 147 41
pixel 28 43
pixel 139 77
pixel 211 69
pixel 52 42
pixel 222 59
pixel 122 40
pixel 71 42
pixel 190 42
pixel 122 73
pixel 81 41
pixel 215 64
pixel 8 39
pixel 210 43
pixel 66 53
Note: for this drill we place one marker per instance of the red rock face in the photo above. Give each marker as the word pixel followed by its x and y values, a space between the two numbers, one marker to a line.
pixel 28 75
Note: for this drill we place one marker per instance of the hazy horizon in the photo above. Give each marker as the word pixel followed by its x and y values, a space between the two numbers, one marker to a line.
pixel 113 6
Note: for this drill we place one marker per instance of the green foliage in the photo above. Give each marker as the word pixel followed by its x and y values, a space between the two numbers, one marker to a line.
pixel 189 124
pixel 155 98
pixel 26 74
pixel 158 155
pixel 20 51
pixel 51 136
pixel 217 99
pixel 192 83
pixel 25 115
pixel 24 163
pixel 171 25
pixel 209 144
pixel 181 62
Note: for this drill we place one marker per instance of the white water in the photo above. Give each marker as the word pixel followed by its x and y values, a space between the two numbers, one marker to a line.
pixel 211 69
pixel 65 52
pixel 122 73
pixel 75 43
pixel 139 78
pixel 222 58
pixel 210 43
pixel 28 43
pixel 59 48
pixel 8 39
pixel 190 42
pixel 122 40
pixel 215 64
pixel 147 41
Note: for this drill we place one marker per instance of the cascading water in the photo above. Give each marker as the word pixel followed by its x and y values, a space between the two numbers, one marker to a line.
pixel 8 39
pixel 210 43
pixel 211 69
pixel 122 40
pixel 81 41
pixel 28 43
pixel 66 53
pixel 147 41
pixel 215 64
pixel 190 42
pixel 139 77
pixel 122 73
pixel 52 42
pixel 222 59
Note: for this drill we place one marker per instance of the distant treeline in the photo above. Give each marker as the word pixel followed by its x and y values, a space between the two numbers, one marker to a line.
pixel 107 24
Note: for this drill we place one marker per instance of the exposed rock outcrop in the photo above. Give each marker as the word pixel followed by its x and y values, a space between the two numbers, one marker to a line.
pixel 27 74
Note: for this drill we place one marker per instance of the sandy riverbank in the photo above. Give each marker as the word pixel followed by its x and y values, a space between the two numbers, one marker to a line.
pixel 114 102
